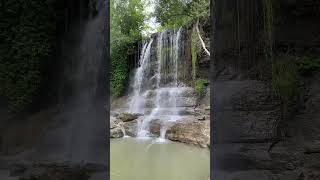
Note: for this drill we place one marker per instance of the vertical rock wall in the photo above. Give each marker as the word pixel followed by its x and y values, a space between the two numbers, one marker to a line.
pixel 248 143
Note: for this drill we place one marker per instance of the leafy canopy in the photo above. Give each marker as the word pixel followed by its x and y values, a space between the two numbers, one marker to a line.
pixel 127 23
pixel 175 13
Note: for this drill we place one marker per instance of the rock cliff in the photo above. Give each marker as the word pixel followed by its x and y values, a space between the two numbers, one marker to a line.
pixel 252 139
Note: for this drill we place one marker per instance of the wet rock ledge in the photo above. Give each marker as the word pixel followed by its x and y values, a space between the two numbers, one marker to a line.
pixel 193 129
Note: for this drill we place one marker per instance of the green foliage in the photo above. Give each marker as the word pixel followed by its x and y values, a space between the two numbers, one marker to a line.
pixel 127 19
pixel 171 13
pixel 285 77
pixel 199 8
pixel 119 74
pixel 200 85
pixel 127 22
pixel 175 13
pixel 309 65
pixel 26 36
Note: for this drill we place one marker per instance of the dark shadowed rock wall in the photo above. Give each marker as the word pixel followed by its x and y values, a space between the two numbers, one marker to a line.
pixel 248 143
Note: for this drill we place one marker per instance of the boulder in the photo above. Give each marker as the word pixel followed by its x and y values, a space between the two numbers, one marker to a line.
pixel 190 131
pixel 157 124
pixel 131 128
pixel 114 122
pixel 116 133
pixel 116 128
pixel 125 117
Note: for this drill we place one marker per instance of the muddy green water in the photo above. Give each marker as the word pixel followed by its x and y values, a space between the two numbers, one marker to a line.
pixel 141 159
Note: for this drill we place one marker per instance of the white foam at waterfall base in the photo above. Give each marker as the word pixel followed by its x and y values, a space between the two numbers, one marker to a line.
pixel 166 92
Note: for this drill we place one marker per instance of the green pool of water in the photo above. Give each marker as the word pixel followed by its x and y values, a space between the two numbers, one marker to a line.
pixel 145 159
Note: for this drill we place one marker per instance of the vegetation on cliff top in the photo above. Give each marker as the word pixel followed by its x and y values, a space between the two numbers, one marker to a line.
pixel 127 23
pixel 175 13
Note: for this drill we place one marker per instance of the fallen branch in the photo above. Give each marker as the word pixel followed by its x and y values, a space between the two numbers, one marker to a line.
pixel 201 40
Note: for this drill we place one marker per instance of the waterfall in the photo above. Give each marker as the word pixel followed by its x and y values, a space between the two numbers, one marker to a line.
pixel 136 103
pixel 177 48
pixel 84 116
pixel 157 91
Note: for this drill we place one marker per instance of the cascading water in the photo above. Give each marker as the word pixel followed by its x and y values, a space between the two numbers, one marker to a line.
pixel 85 129
pixel 78 133
pixel 157 90
pixel 137 103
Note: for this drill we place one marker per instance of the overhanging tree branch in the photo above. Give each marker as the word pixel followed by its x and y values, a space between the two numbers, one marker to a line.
pixel 201 40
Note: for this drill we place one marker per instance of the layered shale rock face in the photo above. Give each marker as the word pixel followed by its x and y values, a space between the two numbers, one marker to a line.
pixel 252 137
pixel 246 111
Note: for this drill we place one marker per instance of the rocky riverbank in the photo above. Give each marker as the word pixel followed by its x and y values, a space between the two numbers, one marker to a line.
pixel 193 129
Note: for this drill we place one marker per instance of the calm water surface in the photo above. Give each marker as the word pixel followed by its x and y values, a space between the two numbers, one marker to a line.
pixel 146 159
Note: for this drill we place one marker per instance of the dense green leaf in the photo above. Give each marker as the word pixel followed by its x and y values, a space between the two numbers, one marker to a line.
pixel 26 37
pixel 127 23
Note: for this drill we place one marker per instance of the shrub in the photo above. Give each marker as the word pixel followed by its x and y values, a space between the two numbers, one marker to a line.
pixel 200 85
